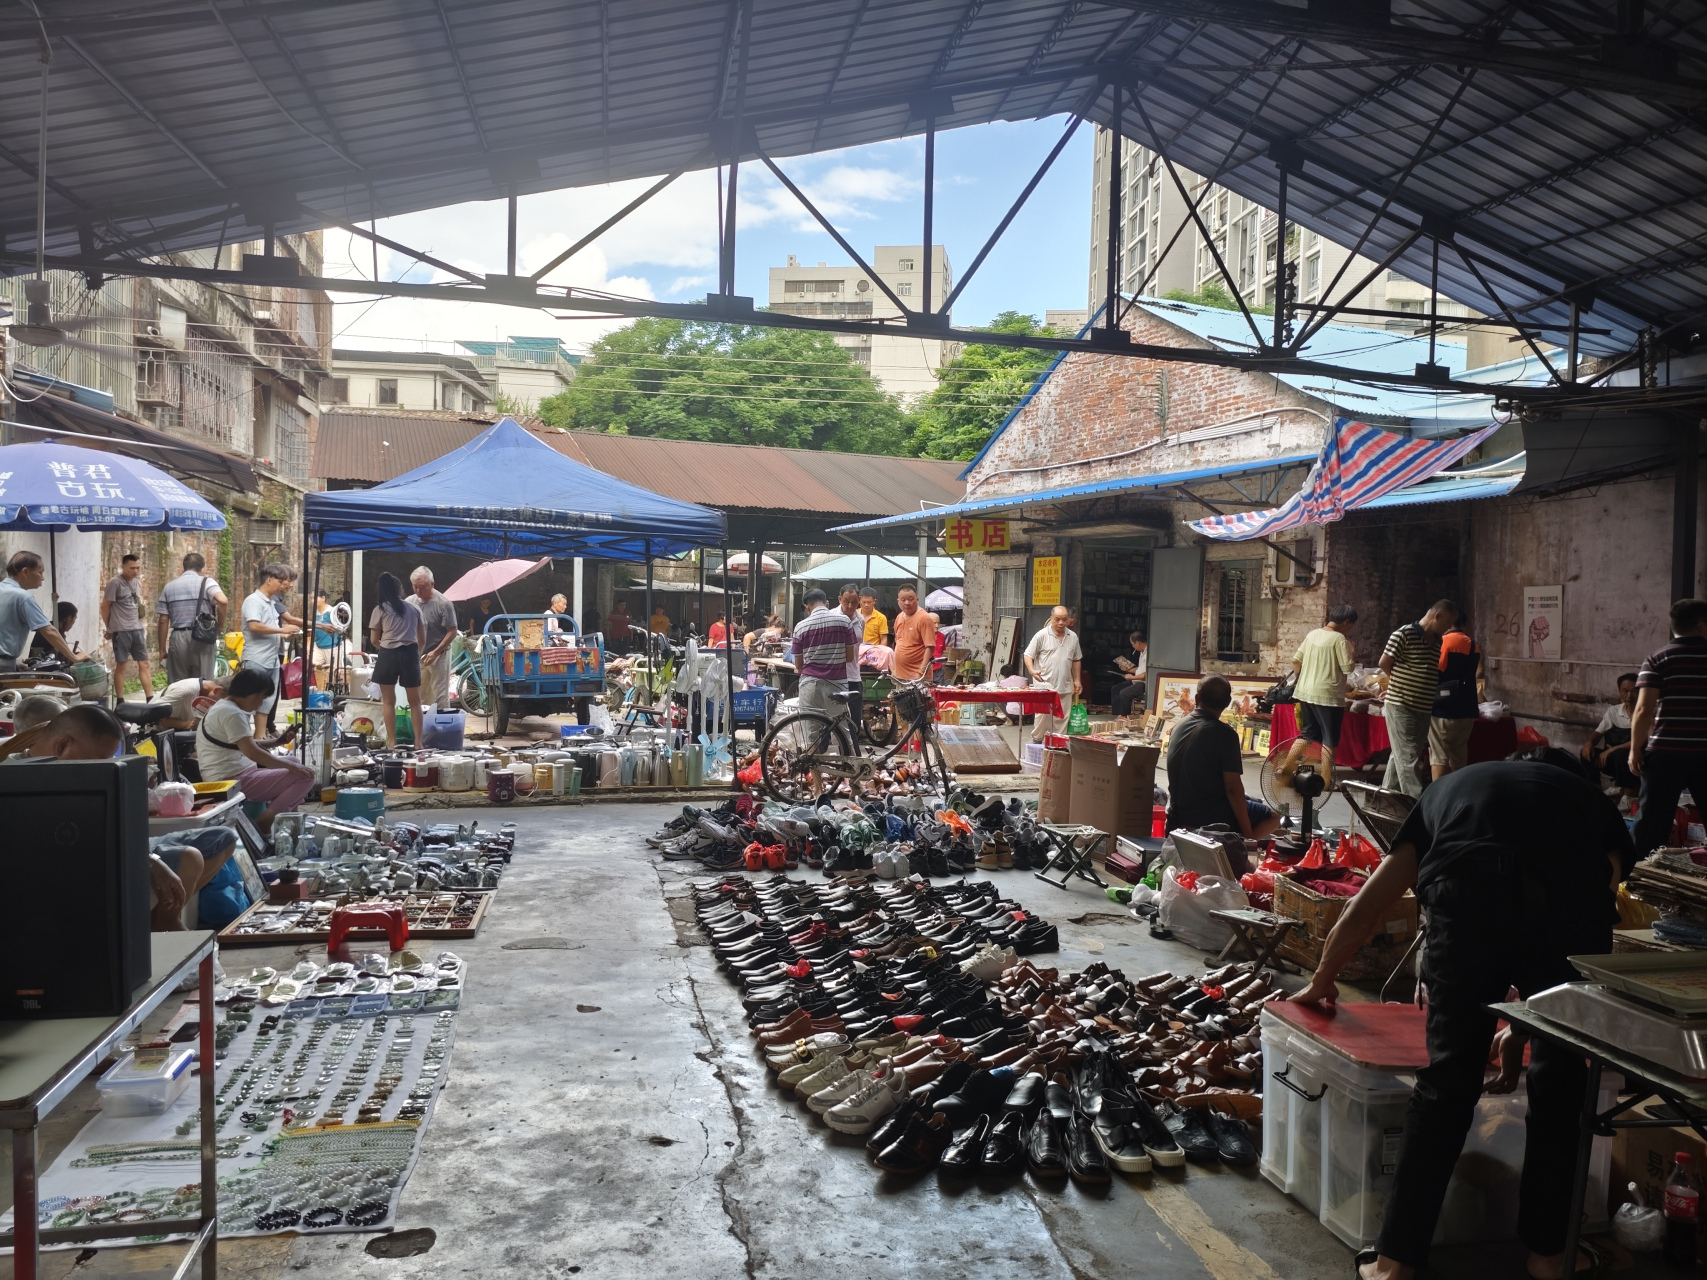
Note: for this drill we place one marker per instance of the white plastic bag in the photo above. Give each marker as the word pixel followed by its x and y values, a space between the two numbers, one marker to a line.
pixel 598 716
pixel 1185 912
pixel 171 800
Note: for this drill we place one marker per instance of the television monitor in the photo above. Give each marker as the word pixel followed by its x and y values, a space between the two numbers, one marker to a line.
pixel 74 862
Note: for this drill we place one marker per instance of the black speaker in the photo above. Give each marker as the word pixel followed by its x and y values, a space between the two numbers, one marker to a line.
pixel 74 862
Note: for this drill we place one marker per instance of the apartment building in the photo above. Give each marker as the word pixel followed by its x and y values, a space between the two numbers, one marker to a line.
pixel 523 371
pixel 1155 262
pixel 901 365
pixel 408 380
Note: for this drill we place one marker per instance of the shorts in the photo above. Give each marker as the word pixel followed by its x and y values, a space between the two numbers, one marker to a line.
pixel 1449 741
pixel 401 665
pixel 210 842
pixel 1320 724
pixel 130 646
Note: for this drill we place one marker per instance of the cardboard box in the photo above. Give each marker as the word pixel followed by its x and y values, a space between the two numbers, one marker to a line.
pixel 1316 915
pixel 1114 785
pixel 1055 787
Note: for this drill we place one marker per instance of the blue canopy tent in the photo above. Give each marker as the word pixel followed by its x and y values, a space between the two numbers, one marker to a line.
pixel 506 493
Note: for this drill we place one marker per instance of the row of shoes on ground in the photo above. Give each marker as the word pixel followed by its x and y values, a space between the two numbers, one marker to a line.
pixel 892 837
pixel 1192 1039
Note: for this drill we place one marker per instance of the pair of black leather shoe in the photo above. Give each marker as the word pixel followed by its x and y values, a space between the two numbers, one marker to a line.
pixel 1056 1150
pixel 988 1146
pixel 1204 1134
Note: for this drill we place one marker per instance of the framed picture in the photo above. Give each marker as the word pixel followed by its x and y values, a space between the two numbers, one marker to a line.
pixel 1176 694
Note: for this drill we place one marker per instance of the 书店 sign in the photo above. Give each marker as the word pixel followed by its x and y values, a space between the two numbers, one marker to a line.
pixel 959 537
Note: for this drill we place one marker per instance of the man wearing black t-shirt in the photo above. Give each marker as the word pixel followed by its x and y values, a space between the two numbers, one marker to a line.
pixel 1517 863
pixel 1206 772
pixel 1668 732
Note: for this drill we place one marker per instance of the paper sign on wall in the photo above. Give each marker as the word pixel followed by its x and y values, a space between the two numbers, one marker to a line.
pixel 1543 622
pixel 959 537
pixel 1046 580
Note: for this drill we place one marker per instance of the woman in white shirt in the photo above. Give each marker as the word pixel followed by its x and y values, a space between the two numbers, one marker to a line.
pixel 398 632
pixel 1608 747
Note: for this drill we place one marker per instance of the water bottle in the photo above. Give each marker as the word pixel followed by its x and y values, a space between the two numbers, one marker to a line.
pixel 1683 1213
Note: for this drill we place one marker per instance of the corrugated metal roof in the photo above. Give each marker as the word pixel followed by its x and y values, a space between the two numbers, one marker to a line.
pixel 852 569
pixel 1078 492
pixel 1446 488
pixel 1561 152
pixel 372 447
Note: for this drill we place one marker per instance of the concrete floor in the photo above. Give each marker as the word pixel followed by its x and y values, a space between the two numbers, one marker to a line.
pixel 605 1117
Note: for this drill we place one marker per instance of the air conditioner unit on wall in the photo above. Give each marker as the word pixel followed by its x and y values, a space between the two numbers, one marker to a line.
pixel 1287 572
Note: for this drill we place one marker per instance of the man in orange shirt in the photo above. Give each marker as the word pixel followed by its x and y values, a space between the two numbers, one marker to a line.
pixel 915 637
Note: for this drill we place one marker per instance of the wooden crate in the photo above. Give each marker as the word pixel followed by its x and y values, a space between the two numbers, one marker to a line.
pixel 1316 915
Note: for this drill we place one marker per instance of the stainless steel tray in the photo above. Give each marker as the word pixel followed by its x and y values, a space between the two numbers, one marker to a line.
pixel 1675 981
pixel 1597 1011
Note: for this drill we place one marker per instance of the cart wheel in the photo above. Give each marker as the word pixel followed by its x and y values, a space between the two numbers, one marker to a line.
pixel 500 713
pixel 879 723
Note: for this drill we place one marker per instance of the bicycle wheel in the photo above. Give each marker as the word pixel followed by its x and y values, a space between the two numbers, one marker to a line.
pixel 790 752
pixel 471 695
pixel 880 723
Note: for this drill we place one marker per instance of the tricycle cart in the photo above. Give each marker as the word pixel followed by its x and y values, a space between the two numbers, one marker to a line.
pixel 527 670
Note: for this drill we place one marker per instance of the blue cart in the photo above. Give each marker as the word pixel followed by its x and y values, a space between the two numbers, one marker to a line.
pixel 519 679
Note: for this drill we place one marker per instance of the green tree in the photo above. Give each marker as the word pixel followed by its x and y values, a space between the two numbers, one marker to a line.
pixel 729 384
pixel 1213 294
pixel 976 391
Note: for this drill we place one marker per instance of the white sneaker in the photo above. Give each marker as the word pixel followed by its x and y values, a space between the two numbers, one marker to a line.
pixel 788 1077
pixel 840 1091
pixel 784 1056
pixel 860 1112
pixel 837 1071
pixel 988 963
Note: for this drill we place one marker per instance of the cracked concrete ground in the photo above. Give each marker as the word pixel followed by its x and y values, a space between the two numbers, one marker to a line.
pixel 605 1117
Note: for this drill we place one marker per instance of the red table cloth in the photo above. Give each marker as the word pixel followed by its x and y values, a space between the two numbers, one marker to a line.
pixel 1034 701
pixel 1362 735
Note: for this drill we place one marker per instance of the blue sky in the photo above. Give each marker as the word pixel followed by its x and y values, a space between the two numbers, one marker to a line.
pixel 668 249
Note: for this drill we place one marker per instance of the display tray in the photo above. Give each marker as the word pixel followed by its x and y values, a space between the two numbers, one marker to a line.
pixel 248 930
pixel 1599 1012
pixel 1675 981
pixel 321 1108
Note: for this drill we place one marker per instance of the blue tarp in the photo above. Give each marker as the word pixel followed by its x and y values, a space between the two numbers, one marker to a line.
pixel 507 493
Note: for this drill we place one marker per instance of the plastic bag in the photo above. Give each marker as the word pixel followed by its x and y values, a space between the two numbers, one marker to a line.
pixel 1257 882
pixel 1637 1227
pixel 171 800
pixel 752 775
pixel 598 716
pixel 1183 909
pixel 1529 736
pixel 1356 851
pixel 1079 719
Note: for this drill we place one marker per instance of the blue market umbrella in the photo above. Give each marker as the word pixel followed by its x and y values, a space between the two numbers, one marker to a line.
pixel 55 487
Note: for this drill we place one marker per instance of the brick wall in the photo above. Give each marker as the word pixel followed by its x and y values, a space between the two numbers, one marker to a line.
pixel 1390 566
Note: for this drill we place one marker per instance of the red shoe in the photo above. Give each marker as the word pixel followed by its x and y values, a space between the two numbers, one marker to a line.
pixel 754 857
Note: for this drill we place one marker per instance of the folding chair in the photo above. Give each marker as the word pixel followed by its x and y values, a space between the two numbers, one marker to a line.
pixel 1070 857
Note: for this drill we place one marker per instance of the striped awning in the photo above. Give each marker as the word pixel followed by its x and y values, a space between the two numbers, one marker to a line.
pixel 1359 464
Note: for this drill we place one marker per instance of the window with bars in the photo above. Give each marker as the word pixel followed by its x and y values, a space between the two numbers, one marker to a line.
pixel 217 392
pixel 290 442
pixel 1240 581
pixel 387 391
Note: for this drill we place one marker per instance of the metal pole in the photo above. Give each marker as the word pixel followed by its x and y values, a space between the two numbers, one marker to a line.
pixel 511 256
pixel 1571 354
pixel 930 188
pixel 1433 294
pixel 700 556
pixel 1111 305
pixel 728 716
pixel 1280 267
pixel 726 266
pixel 579 600
pixel 648 605
pixel 924 552
pixel 357 626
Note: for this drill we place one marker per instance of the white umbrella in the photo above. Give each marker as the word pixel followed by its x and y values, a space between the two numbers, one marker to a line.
pixel 946 598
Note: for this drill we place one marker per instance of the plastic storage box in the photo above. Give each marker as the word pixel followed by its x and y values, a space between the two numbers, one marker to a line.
pixel 1332 1132
pixel 146 1082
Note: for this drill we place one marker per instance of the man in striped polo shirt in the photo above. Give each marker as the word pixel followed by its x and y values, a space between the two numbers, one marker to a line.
pixel 1410 667
pixel 825 644
pixel 1668 732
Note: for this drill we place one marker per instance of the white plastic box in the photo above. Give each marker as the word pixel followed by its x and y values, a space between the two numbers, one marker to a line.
pixel 146 1083
pixel 1332 1144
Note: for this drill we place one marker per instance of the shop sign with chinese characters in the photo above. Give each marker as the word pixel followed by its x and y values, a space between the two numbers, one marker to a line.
pixel 961 537
pixel 1046 580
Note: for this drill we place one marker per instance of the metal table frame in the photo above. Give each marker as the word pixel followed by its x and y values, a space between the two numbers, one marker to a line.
pixel 176 955
pixel 1643 1079
pixel 1069 858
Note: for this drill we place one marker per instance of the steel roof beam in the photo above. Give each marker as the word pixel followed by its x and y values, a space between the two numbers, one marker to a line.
pixel 334 144
pixel 1557 66
pixel 137 106
pixel 637 308
pixel 462 76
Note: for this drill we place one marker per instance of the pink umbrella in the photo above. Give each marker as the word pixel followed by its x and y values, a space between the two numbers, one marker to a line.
pixel 492 577
pixel 738 564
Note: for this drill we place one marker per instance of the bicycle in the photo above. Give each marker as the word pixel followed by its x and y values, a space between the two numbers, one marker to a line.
pixel 807 756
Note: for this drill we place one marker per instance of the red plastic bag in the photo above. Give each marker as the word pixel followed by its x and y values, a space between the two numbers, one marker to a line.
pixel 1187 880
pixel 1255 882
pixel 1356 851
pixel 752 775
pixel 1317 855
pixel 1529 736
pixel 293 678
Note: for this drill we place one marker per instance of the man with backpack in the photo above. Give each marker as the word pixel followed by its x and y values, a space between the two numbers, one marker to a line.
pixel 192 616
